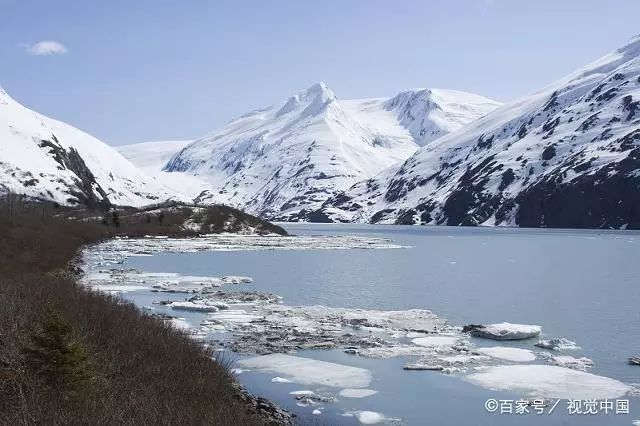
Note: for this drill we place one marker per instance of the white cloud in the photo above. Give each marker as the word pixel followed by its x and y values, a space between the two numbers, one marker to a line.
pixel 46 47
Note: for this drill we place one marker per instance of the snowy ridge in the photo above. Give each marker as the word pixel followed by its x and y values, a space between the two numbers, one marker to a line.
pixel 47 159
pixel 566 156
pixel 284 161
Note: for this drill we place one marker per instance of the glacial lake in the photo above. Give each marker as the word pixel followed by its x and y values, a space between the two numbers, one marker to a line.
pixel 580 285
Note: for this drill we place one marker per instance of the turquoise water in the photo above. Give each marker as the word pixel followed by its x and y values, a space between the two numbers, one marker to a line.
pixel 581 285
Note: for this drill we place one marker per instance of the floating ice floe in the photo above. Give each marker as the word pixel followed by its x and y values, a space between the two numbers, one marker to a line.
pixel 423 366
pixel 634 360
pixel 199 306
pixel 357 393
pixel 235 279
pixel 508 354
pixel 436 341
pixel 558 344
pixel 165 282
pixel 228 317
pixel 308 371
pixel 453 362
pixel 504 331
pixel 316 412
pixel 116 251
pixel 370 417
pixel 549 381
pixel 270 327
pixel 384 352
pixel 280 380
pixel 307 397
pixel 117 288
pixel 568 361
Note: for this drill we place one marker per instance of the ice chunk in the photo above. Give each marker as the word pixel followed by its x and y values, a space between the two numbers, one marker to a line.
pixel 231 316
pixel 462 359
pixel 302 393
pixel 383 352
pixel 278 379
pixel 634 360
pixel 568 361
pixel 200 306
pixel 549 382
pixel 233 279
pixel 357 393
pixel 446 364
pixel 504 331
pixel 420 365
pixel 557 344
pixel 316 412
pixel 435 341
pixel 310 371
pixel 369 417
pixel 307 397
pixel 508 354
pixel 117 288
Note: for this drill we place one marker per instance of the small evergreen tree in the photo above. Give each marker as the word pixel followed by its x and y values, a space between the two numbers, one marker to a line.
pixel 53 354
pixel 148 219
pixel 161 217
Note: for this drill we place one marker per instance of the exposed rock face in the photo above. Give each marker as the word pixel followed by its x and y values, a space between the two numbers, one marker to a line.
pixel 86 190
pixel 566 156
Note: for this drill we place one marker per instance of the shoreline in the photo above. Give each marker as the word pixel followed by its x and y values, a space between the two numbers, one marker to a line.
pixel 100 379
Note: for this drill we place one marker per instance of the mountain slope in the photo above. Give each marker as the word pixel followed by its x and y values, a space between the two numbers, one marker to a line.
pixel 567 156
pixel 283 162
pixel 151 157
pixel 47 159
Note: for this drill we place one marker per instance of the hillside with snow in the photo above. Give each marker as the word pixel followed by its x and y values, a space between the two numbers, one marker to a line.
pixel 50 160
pixel 151 158
pixel 284 161
pixel 566 156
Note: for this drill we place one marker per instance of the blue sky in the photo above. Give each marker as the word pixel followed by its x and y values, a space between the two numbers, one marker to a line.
pixel 137 70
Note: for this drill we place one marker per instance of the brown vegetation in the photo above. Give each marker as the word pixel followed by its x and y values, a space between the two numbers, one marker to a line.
pixel 72 356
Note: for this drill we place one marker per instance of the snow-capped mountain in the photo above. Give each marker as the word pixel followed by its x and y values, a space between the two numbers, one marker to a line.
pixel 47 159
pixel 284 161
pixel 566 156
pixel 151 157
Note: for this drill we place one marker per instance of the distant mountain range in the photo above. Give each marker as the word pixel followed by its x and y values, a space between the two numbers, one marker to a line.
pixel 285 161
pixel 566 156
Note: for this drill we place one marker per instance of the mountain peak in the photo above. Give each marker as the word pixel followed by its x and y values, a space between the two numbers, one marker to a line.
pixel 314 99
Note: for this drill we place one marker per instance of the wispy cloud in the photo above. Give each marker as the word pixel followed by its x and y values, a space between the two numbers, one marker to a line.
pixel 46 48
